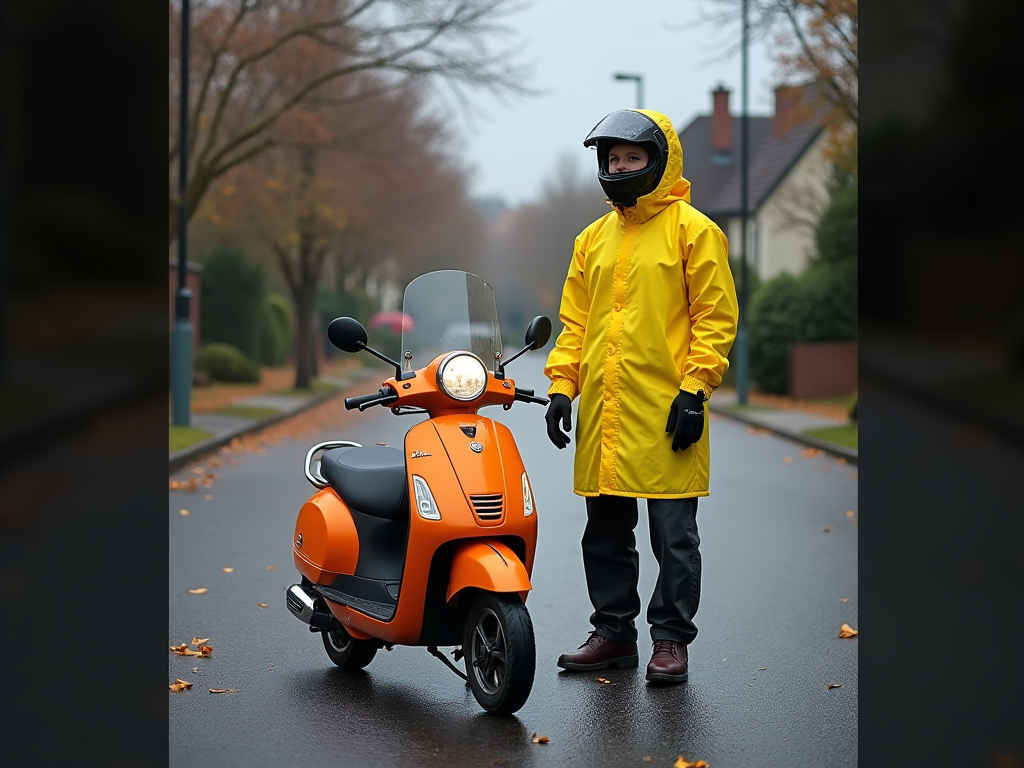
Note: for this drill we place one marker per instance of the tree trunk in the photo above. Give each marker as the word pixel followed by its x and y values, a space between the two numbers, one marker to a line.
pixel 305 339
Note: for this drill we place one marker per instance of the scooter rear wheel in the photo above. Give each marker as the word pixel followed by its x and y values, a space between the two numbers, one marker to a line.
pixel 345 650
pixel 500 651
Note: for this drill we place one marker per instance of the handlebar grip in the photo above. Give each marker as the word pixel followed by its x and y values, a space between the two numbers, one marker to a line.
pixel 356 401
pixel 526 395
pixel 381 400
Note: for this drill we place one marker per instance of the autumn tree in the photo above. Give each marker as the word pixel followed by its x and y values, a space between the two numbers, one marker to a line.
pixel 374 205
pixel 812 40
pixel 252 83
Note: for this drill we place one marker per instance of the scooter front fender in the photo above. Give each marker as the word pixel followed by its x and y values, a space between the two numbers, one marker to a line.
pixel 490 565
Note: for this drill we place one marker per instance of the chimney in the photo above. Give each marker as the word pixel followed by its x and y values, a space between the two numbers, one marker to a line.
pixel 721 121
pixel 788 110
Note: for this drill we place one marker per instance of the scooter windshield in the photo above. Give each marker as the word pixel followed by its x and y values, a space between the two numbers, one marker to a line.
pixel 449 310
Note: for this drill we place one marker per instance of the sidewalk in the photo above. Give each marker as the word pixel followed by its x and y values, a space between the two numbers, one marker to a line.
pixel 783 422
pixel 225 428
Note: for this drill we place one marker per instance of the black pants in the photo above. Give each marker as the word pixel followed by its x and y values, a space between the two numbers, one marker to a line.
pixel 612 567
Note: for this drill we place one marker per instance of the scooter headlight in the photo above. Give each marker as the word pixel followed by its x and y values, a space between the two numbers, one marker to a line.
pixel 462 376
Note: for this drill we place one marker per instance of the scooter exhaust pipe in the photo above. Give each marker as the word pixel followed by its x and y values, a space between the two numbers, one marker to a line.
pixel 300 603
pixel 302 606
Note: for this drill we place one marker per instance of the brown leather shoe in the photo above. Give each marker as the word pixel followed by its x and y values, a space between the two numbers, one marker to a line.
pixel 668 662
pixel 600 653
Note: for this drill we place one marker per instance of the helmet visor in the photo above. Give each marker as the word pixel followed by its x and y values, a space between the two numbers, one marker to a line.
pixel 625 125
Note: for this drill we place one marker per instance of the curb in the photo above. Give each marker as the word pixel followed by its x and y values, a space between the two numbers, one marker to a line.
pixel 840 451
pixel 194 452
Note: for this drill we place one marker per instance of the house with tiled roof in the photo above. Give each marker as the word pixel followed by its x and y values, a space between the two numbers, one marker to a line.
pixel 787 175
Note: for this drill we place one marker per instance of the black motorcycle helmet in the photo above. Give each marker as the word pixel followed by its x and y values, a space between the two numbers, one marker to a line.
pixel 623 189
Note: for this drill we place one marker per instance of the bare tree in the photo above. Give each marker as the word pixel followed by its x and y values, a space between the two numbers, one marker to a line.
pixel 262 67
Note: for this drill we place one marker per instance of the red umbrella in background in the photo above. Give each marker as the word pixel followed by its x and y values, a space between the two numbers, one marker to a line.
pixel 396 322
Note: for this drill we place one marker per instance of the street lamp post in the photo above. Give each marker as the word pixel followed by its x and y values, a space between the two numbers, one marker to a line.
pixel 742 350
pixel 639 86
pixel 181 341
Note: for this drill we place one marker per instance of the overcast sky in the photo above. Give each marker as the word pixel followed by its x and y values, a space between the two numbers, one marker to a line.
pixel 576 47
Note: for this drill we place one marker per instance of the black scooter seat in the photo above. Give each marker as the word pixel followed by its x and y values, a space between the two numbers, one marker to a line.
pixel 370 479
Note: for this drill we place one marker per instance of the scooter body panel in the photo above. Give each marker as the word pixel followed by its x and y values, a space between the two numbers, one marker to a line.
pixel 433 449
pixel 329 544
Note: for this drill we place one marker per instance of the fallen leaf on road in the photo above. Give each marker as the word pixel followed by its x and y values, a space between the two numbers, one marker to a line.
pixel 540 739
pixel 180 685
pixel 844 599
pixel 270 567
pixel 197 641
pixel 229 570
pixel 197 470
pixel 761 669
pixel 261 605
pixel 850 513
pixel 183 512
pixel 682 762
pixel 830 686
pixel 183 485
pixel 847 631
pixel 200 591
pixel 757 430
pixel 604 681
pixel 209 480
pixel 840 460
pixel 826 528
pixel 224 690
pixel 810 453
pixel 184 650
pixel 788 459
pixel 213 461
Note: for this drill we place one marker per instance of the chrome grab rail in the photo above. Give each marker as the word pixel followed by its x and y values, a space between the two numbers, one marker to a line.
pixel 317 479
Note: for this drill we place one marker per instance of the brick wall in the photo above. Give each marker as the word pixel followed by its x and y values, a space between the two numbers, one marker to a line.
pixel 822 369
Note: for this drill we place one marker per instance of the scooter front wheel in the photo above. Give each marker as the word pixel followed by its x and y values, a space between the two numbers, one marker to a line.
pixel 345 650
pixel 500 651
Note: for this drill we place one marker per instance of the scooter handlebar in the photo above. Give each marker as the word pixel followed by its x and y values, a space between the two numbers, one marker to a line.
pixel 362 402
pixel 526 396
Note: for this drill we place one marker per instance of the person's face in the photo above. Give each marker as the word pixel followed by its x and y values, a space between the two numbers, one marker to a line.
pixel 626 157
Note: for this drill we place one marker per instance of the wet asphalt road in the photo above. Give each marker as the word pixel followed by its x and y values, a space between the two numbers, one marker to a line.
pixel 777 587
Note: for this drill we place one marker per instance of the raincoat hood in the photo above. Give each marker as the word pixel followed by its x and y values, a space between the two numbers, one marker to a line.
pixel 672 187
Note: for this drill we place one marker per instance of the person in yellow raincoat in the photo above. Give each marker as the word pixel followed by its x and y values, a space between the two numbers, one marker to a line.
pixel 650 313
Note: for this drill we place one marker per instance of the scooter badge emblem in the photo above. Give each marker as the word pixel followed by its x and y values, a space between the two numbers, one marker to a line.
pixel 476 446
pixel 418 454
pixel 298 542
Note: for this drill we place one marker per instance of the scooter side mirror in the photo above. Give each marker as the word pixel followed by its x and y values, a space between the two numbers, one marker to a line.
pixel 347 334
pixel 538 332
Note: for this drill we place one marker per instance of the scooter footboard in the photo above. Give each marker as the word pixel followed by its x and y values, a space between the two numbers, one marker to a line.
pixel 490 565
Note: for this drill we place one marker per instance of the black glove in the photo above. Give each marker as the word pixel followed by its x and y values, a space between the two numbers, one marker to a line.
pixel 559 409
pixel 685 419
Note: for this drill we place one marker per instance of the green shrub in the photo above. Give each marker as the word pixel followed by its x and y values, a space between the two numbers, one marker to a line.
pixel 773 324
pixel 227 363
pixel 232 301
pixel 276 332
pixel 836 234
pixel 827 309
pixel 852 413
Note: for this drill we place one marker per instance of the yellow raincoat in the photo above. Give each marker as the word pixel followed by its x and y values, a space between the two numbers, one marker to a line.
pixel 649 307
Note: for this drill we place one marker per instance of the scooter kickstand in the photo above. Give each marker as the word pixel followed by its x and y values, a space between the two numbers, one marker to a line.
pixel 434 652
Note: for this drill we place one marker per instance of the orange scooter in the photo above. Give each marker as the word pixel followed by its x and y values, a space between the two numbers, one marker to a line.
pixel 431 544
